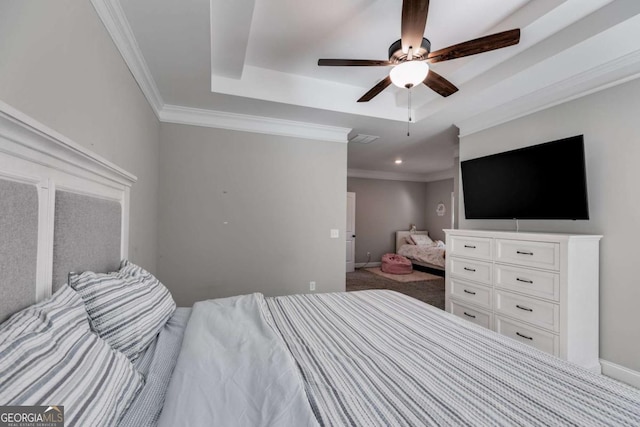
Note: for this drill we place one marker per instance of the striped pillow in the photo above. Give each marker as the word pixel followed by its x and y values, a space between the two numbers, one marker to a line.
pixel 49 356
pixel 127 308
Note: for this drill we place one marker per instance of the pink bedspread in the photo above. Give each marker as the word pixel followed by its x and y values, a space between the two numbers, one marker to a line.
pixel 396 264
pixel 432 254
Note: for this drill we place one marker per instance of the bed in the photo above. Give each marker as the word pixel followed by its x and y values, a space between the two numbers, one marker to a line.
pixel 361 358
pixel 375 358
pixel 429 256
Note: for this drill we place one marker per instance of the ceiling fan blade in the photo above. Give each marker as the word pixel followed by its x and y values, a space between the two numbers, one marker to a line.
pixel 382 85
pixel 414 19
pixel 439 84
pixel 472 47
pixel 353 62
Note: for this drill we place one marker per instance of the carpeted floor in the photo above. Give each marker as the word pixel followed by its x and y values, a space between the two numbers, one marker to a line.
pixel 429 291
pixel 414 276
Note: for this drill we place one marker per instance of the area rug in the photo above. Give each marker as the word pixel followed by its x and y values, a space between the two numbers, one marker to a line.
pixel 415 276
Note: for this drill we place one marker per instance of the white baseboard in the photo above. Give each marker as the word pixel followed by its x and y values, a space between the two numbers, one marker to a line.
pixel 620 373
pixel 368 264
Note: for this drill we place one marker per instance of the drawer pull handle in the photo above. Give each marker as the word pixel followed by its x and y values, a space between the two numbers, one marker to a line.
pixel 470 246
pixel 520 335
pixel 524 308
pixel 470 315
pixel 524 253
pixel 469 292
pixel 473 270
pixel 524 280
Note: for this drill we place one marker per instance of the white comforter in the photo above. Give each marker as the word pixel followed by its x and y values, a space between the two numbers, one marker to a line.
pixel 234 370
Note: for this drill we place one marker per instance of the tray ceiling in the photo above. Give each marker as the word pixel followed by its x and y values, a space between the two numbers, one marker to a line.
pixel 259 58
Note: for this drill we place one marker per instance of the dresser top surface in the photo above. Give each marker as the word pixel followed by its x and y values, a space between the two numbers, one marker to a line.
pixel 523 235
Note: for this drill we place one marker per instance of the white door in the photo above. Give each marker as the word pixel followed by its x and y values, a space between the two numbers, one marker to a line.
pixel 351 231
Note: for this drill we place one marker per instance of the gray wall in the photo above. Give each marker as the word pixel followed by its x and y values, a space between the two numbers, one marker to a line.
pixel 438 192
pixel 382 208
pixel 243 212
pixel 609 122
pixel 59 66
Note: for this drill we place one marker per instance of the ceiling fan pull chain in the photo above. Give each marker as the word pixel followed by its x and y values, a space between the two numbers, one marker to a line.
pixel 409 112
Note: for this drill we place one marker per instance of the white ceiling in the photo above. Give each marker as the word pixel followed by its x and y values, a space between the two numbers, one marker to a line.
pixel 259 58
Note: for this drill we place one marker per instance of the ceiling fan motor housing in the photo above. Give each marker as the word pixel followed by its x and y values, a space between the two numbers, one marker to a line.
pixel 397 56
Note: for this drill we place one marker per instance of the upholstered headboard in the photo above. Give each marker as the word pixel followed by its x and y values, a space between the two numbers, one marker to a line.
pixel 86 235
pixel 401 235
pixel 62 209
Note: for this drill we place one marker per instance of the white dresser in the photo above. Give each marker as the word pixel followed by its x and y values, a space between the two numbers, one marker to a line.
pixel 538 288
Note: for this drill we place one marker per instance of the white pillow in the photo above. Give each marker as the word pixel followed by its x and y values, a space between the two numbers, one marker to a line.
pixel 49 356
pixel 421 239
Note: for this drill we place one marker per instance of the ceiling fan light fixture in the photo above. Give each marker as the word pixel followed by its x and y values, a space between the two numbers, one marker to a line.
pixel 409 74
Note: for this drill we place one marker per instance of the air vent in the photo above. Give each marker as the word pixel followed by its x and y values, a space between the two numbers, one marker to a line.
pixel 363 139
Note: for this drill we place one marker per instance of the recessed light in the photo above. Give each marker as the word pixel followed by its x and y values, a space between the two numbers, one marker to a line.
pixel 399 162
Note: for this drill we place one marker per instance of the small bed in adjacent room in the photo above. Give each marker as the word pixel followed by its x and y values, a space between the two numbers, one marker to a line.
pixel 110 348
pixel 421 250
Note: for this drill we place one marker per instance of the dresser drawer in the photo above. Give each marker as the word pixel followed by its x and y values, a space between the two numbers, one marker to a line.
pixel 472 247
pixel 542 340
pixel 473 293
pixel 474 315
pixel 540 313
pixel 471 270
pixel 533 254
pixel 541 284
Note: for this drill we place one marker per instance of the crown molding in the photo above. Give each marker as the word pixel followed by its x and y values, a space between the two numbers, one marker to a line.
pixel 440 175
pixel 117 25
pixel 601 77
pixel 254 124
pixel 399 176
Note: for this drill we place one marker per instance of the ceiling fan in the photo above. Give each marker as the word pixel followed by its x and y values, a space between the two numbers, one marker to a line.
pixel 410 55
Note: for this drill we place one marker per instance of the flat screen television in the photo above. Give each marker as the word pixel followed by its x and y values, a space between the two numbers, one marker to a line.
pixel 546 181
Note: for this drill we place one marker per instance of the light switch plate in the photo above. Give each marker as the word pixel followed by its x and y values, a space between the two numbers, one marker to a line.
pixel 335 233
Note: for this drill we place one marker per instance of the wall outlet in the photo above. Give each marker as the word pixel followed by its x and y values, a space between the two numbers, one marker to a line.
pixel 312 286
pixel 335 233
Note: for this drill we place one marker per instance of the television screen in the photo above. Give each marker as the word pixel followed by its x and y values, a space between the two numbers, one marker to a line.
pixel 546 181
